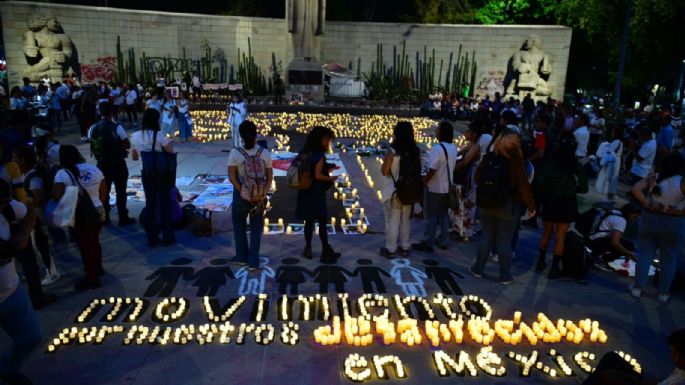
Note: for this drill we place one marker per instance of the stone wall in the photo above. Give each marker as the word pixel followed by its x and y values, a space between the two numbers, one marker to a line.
pixel 94 30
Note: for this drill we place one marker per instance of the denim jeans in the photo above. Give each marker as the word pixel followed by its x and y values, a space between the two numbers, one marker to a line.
pixel 498 227
pixel 239 212
pixel 435 212
pixel 663 232
pixel 184 129
pixel 397 222
pixel 19 321
pixel 158 197
pixel 612 178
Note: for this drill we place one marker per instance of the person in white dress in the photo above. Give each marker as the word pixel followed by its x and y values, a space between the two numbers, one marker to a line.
pixel 610 154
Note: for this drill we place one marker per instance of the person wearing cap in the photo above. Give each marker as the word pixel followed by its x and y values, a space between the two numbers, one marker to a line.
pixel 18 318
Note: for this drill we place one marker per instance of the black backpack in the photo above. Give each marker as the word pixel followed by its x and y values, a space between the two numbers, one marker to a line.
pixel 408 185
pixel 575 261
pixel 46 173
pixel 589 221
pixel 105 145
pixel 494 185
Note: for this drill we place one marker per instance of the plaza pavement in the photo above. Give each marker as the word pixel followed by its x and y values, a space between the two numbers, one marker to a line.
pixel 638 327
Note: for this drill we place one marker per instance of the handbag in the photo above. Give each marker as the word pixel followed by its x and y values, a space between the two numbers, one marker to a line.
pixel 461 176
pixel 86 214
pixel 159 166
pixel 62 213
pixel 452 198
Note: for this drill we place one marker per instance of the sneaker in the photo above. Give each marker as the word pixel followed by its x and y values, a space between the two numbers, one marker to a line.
pixel 386 253
pixel 237 262
pixel 423 246
pixel 307 253
pixel 600 264
pixel 473 273
pixel 84 139
pixel 50 278
pixel 635 292
pixel 126 221
pixel 87 285
pixel 663 298
pixel 506 282
pixel 441 246
pixel 42 300
pixel 403 252
pixel 493 258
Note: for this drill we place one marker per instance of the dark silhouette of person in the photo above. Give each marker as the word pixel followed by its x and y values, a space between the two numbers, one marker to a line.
pixel 166 277
pixel 210 279
pixel 330 274
pixel 370 275
pixel 443 276
pixel 290 275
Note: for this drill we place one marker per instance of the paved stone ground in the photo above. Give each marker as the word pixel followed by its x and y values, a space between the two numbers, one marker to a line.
pixel 638 327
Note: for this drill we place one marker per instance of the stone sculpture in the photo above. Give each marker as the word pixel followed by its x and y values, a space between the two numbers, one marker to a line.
pixel 306 21
pixel 47 48
pixel 531 67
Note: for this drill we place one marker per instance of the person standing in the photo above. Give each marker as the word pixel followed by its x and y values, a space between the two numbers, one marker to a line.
pixel 168 117
pixel 662 225
pixel 644 158
pixel 398 215
pixel 237 114
pixel 528 106
pixel 502 187
pixel 90 180
pixel 88 105
pixel 558 182
pixel 441 162
pixel 109 144
pixel 185 130
pixel 582 137
pixel 157 191
pixel 610 162
pixel 131 101
pixel 249 168
pixel 464 218
pixel 311 202
pixel 17 318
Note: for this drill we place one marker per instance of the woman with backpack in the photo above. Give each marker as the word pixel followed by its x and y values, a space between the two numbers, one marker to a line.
pixel 662 224
pixel 91 184
pixel 464 219
pixel 559 182
pixel 157 189
pixel 401 167
pixel 250 172
pixel 311 202
pixel 502 186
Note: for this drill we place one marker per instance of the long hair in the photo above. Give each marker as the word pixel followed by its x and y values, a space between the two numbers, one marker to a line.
pixel 565 155
pixel 313 141
pixel 672 165
pixel 69 157
pixel 404 137
pixel 151 119
pixel 508 144
pixel 248 132
pixel 445 132
pixel 26 155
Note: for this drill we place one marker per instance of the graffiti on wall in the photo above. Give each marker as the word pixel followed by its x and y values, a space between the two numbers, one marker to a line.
pixel 104 69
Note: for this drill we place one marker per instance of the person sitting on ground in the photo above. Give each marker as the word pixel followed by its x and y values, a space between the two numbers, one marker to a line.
pixel 18 318
pixel 607 242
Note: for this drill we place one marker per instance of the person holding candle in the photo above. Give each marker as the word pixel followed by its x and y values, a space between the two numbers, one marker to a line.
pixel 441 162
pixel 311 202
pixel 662 224
pixel 558 182
pixel 398 215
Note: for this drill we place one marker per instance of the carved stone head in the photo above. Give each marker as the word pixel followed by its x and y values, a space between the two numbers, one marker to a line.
pixel 53 25
pixel 532 41
pixel 36 23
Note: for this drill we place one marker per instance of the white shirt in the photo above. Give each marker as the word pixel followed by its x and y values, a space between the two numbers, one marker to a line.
pixel 142 141
pixel 89 176
pixel 121 132
pixel 483 143
pixel 131 97
pixel 439 183
pixel 235 158
pixel 389 185
pixel 613 222
pixel 183 106
pixel 582 136
pixel 53 153
pixel 156 104
pixel 598 125
pixel 9 280
pixel 514 128
pixel 647 152
pixel 676 378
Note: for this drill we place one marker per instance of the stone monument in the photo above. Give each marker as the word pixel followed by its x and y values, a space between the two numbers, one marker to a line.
pixel 306 20
pixel 531 68
pixel 48 50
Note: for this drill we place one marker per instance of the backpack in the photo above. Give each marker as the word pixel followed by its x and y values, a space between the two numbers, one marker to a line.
pixel 575 261
pixel 408 185
pixel 299 174
pixel 589 221
pixel 105 145
pixel 254 186
pixel 46 173
pixel 494 185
